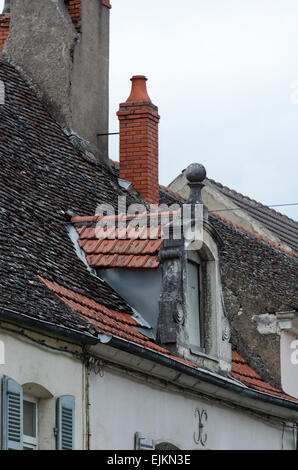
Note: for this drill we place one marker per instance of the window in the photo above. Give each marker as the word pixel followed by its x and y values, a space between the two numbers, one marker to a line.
pixel 20 427
pixel 143 442
pixel 30 423
pixel 193 296
pixel 65 415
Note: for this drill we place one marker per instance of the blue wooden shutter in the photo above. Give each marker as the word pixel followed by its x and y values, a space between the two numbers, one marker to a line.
pixel 65 422
pixel 143 442
pixel 12 414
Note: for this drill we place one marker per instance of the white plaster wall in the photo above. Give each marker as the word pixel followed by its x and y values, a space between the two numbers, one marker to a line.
pixel 289 364
pixel 121 406
pixel 59 373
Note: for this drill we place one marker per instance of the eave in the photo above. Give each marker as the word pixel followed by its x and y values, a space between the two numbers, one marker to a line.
pixel 195 380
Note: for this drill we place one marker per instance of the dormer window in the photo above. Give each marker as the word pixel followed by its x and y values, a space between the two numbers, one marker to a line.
pixel 192 315
pixel 172 280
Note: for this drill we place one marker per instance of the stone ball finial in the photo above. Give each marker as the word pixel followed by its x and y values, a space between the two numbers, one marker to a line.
pixel 195 173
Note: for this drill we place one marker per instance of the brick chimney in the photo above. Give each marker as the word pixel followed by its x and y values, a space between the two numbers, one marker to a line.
pixel 4 25
pixel 138 119
pixel 63 46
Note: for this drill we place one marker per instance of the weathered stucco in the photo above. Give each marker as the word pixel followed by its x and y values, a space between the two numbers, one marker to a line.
pixel 90 76
pixel 74 78
pixel 289 362
pixel 42 30
pixel 53 374
pixel 244 302
pixel 165 416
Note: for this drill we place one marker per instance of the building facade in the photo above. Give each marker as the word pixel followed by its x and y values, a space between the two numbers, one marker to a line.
pixel 110 340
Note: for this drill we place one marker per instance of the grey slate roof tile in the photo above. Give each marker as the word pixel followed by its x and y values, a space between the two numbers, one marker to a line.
pixel 43 176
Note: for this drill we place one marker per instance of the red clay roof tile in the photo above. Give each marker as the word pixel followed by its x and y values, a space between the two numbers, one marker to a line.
pixel 105 243
pixel 245 374
pixel 122 325
pixel 121 247
pixel 65 293
pixel 109 321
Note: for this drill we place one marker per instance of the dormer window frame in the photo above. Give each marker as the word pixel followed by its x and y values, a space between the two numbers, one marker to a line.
pixel 214 349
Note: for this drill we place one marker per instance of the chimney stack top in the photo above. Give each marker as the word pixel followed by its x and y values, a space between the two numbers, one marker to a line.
pixel 138 89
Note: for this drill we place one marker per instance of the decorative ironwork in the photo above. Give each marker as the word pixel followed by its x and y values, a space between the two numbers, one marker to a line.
pixel 95 365
pixel 200 437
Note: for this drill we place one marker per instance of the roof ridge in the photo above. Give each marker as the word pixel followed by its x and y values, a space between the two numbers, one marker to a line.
pixel 255 234
pixel 222 186
pixel 173 192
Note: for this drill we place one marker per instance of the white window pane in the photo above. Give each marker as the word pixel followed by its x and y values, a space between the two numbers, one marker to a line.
pixel 194 304
pixel 29 418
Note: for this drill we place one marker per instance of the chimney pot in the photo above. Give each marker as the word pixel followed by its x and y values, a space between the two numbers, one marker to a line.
pixel 138 89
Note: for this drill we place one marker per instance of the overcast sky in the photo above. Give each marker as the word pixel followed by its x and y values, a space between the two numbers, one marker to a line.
pixel 221 73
